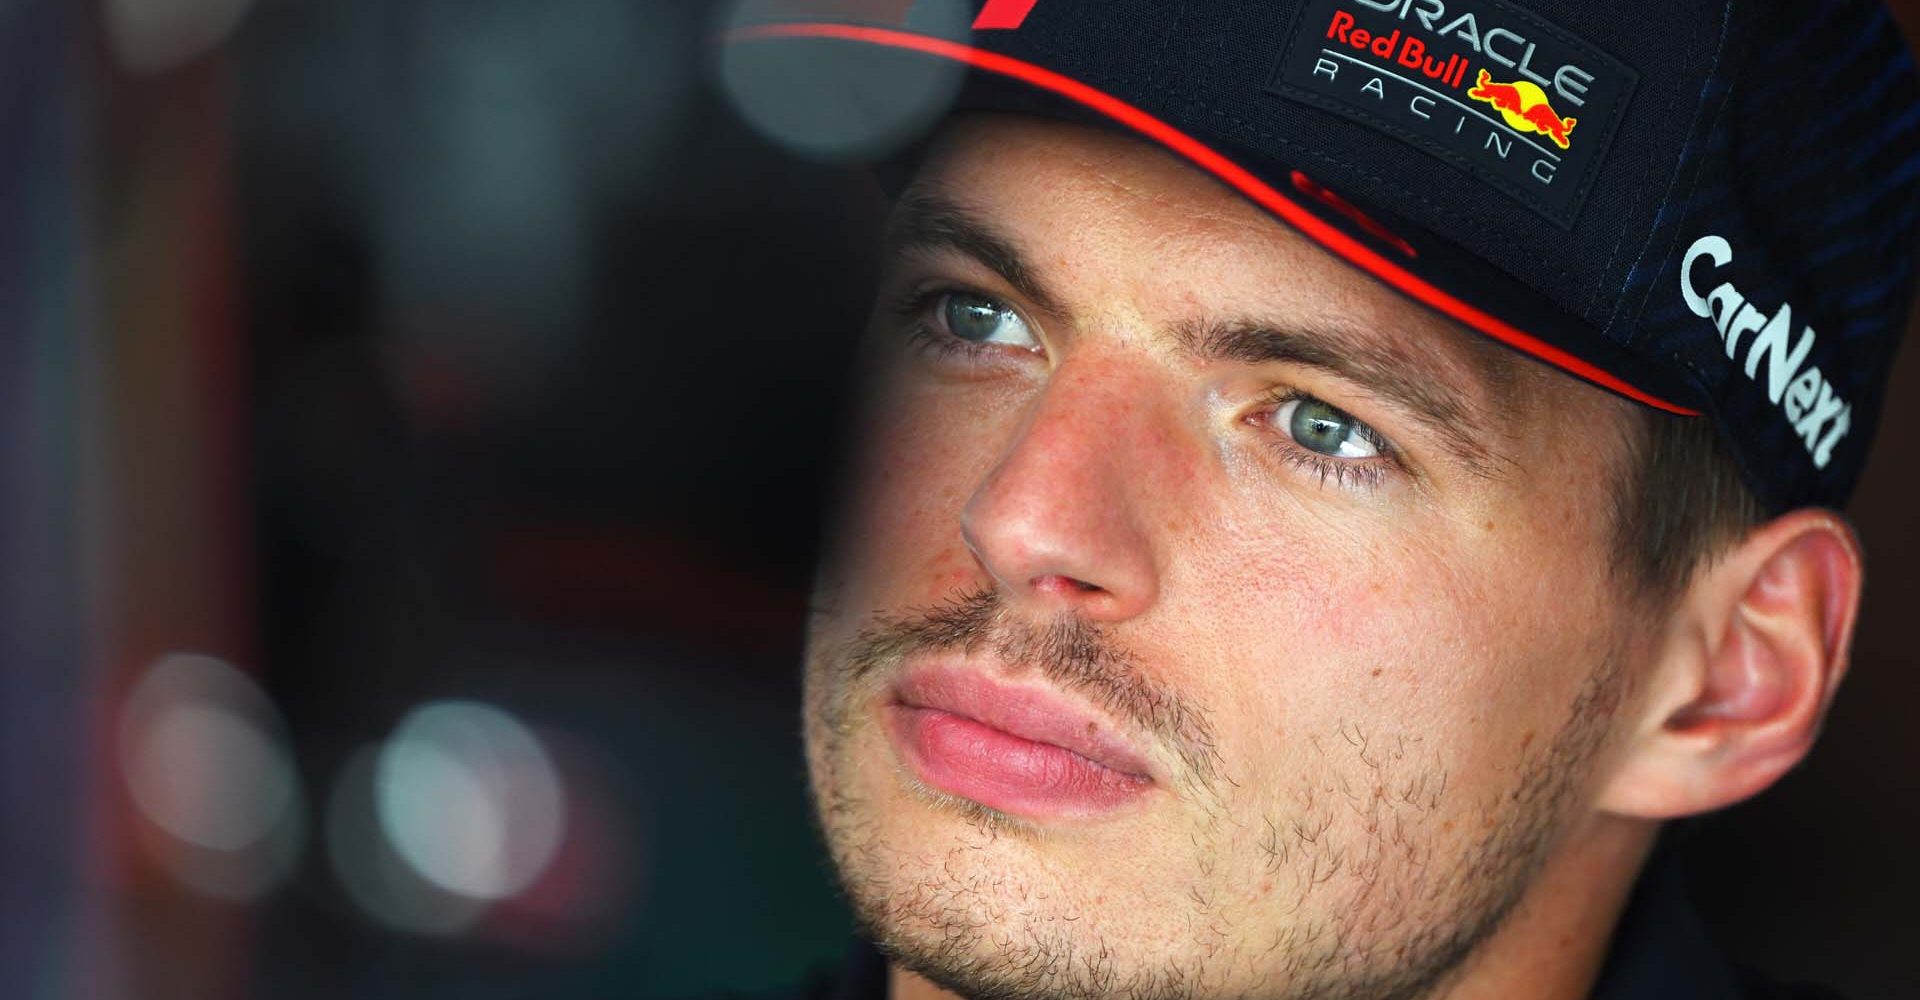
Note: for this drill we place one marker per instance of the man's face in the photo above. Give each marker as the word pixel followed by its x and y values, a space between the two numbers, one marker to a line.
pixel 1206 619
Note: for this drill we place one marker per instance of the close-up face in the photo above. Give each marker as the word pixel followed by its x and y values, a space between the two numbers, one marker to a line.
pixel 1204 617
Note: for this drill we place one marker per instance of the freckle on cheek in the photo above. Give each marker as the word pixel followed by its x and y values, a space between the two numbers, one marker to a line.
pixel 941 563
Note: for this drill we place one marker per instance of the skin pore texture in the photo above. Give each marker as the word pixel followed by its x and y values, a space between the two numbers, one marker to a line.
pixel 1384 695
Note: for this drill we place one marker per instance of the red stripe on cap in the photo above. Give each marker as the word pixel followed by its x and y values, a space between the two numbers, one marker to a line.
pixel 1315 190
pixel 1234 175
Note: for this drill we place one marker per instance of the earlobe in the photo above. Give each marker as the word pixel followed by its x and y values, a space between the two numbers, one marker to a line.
pixel 1745 679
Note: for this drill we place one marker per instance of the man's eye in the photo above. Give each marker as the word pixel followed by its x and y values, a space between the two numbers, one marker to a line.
pixel 981 320
pixel 1321 428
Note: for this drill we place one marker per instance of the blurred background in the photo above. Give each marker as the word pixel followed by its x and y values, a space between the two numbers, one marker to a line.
pixel 413 417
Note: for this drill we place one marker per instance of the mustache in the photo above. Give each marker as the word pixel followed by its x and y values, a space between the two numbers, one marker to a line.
pixel 1072 653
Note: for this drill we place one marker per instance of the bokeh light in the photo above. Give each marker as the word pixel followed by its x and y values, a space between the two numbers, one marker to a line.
pixel 385 887
pixel 150 36
pixel 581 899
pixel 205 759
pixel 836 101
pixel 470 799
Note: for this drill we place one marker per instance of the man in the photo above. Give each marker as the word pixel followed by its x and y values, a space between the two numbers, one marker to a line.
pixel 1338 477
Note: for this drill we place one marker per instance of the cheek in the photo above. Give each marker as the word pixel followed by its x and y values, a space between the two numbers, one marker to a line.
pixel 899 539
pixel 1449 637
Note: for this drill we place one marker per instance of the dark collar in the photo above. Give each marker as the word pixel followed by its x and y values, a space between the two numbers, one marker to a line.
pixel 1660 951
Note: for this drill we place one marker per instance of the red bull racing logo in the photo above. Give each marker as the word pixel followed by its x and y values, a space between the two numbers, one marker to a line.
pixel 1524 106
pixel 1488 86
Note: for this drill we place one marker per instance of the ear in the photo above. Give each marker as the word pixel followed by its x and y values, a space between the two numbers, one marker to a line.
pixel 1756 646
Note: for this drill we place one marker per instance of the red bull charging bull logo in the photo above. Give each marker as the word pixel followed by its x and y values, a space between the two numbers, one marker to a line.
pixel 1525 107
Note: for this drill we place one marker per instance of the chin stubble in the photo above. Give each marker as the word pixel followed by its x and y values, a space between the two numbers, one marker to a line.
pixel 1409 916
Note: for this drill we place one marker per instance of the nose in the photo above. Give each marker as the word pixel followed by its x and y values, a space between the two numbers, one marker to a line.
pixel 1056 523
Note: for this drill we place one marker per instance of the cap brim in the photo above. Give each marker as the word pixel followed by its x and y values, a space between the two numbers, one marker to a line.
pixel 1421 265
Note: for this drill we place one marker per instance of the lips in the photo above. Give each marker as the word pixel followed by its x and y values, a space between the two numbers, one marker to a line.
pixel 1017 749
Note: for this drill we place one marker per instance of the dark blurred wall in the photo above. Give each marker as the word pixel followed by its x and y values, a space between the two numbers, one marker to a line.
pixel 548 351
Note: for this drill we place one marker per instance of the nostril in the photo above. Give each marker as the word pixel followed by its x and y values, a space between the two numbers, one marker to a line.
pixel 1064 585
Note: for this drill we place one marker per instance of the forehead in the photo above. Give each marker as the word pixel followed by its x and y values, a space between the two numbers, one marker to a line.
pixel 1116 225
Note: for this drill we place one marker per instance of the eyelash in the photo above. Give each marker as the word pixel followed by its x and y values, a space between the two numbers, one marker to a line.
pixel 1364 475
pixel 916 307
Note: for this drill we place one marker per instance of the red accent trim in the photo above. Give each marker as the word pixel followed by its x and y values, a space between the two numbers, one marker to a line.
pixel 1229 172
pixel 1003 14
pixel 1313 189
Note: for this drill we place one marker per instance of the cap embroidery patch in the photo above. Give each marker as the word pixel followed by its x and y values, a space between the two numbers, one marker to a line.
pixel 1493 89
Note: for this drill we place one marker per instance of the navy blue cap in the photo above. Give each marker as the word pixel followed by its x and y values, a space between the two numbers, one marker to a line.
pixel 1707 207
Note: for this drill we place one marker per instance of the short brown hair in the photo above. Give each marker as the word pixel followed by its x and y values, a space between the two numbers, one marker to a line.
pixel 1680 503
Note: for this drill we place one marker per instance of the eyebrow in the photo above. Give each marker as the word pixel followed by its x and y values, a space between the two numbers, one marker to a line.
pixel 925 221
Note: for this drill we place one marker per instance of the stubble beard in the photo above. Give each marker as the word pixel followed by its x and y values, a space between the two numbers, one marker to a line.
pixel 1390 909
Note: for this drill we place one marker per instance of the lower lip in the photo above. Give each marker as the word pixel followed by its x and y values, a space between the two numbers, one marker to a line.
pixel 1001 771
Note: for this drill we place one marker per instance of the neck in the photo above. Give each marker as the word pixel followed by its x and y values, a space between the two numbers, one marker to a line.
pixel 1554 943
pixel 1551 947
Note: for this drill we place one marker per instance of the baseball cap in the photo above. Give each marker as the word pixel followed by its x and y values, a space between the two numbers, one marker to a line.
pixel 1706 207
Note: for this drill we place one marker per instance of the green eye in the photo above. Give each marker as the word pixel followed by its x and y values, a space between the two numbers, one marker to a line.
pixel 1321 428
pixel 982 320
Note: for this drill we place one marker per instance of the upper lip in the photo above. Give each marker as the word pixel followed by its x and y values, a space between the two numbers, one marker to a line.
pixel 1031 713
